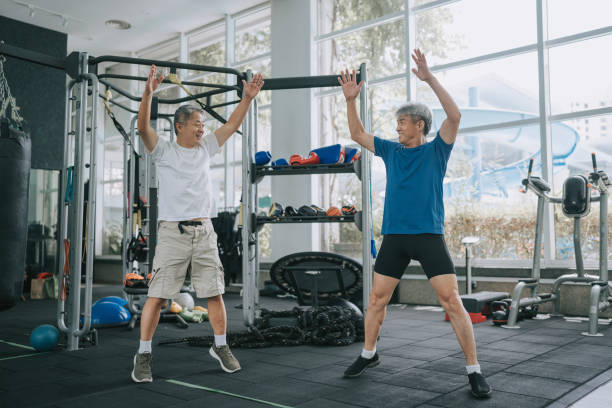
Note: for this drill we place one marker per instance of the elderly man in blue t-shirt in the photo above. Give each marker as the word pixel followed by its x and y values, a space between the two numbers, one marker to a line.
pixel 413 221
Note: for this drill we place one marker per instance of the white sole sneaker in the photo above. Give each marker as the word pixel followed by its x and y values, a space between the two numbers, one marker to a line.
pixel 150 379
pixel 216 357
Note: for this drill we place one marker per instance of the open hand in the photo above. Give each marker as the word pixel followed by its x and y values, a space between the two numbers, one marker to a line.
pixel 349 84
pixel 422 70
pixel 253 87
pixel 153 81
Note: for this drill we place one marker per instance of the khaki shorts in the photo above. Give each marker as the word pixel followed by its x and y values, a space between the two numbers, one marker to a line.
pixel 197 246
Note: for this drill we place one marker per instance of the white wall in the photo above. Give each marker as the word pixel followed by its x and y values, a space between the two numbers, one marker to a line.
pixel 292 130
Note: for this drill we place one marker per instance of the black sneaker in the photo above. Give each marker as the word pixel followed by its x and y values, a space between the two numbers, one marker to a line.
pixel 480 387
pixel 360 365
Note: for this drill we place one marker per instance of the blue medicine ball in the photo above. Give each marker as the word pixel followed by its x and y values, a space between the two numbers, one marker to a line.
pixel 109 314
pixel 44 337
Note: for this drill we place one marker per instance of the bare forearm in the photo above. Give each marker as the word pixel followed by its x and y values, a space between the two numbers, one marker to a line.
pixel 448 104
pixel 355 126
pixel 358 133
pixel 144 112
pixel 236 118
pixel 147 133
pixel 234 121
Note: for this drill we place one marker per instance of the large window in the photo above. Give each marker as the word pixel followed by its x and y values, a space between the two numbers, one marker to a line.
pixel 579 75
pixel 206 46
pixel 469 28
pixel 491 68
pixel 567 17
pixel 253 35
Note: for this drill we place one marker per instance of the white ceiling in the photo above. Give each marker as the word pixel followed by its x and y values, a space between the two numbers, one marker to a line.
pixel 152 21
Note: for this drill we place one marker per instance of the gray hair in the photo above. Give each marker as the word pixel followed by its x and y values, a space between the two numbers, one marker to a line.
pixel 183 113
pixel 417 111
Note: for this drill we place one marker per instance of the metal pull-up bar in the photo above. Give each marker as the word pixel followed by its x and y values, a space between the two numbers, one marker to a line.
pixel 320 81
pixel 168 64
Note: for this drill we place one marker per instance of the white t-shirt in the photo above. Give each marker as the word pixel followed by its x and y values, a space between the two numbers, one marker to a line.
pixel 183 174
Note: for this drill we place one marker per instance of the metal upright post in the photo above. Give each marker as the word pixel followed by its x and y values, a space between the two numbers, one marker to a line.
pixel 603 236
pixel 74 296
pixel 366 193
pixel 544 124
pixel 578 247
pixel 91 206
pixel 537 247
pixel 255 204
pixel 248 268
pixel 468 242
pixel 64 207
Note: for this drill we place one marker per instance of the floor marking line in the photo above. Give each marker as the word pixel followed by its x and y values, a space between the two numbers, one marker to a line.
pixel 23 355
pixel 201 387
pixel 17 345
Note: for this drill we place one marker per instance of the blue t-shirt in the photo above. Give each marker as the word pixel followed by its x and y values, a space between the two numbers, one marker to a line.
pixel 413 197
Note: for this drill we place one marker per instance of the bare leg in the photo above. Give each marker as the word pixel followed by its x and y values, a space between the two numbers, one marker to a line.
pixel 382 290
pixel 217 315
pixel 448 295
pixel 150 317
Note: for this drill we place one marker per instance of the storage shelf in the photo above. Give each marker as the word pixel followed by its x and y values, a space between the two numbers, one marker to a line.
pixel 260 172
pixel 356 218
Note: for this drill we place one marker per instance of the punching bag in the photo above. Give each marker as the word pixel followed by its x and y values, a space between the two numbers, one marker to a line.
pixel 15 154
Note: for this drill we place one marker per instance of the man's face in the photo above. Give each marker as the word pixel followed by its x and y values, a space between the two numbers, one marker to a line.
pixel 408 129
pixel 192 130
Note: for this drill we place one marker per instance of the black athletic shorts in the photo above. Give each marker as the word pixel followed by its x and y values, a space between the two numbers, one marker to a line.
pixel 397 250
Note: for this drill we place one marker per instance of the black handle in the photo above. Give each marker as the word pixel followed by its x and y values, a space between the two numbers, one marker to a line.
pixel 594 160
pixel 530 167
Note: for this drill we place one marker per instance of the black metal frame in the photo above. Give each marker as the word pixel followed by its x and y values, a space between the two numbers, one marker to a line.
pixel 70 65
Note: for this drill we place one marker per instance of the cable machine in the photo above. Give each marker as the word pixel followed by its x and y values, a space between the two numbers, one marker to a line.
pixel 82 93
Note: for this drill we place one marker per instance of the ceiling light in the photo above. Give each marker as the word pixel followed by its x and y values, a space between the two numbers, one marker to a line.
pixel 31 11
pixel 118 24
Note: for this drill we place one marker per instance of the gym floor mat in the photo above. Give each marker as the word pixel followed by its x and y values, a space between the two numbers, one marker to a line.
pixel 543 363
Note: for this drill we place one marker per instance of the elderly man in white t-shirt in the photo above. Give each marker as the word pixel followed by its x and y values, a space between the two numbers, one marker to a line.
pixel 186 205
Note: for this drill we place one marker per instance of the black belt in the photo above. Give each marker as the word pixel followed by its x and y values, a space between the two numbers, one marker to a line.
pixel 187 223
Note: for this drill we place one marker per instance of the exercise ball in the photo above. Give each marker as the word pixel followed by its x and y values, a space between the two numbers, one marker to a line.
pixel 114 299
pixel 44 337
pixel 185 300
pixel 109 314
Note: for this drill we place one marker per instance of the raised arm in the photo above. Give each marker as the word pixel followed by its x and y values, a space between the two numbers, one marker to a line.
pixel 147 133
pixel 249 93
pixel 450 126
pixel 351 91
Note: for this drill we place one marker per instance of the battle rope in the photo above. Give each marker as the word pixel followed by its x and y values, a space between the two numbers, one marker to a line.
pixel 326 325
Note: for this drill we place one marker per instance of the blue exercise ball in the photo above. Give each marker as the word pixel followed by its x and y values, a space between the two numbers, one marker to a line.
pixel 44 337
pixel 115 299
pixel 109 314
